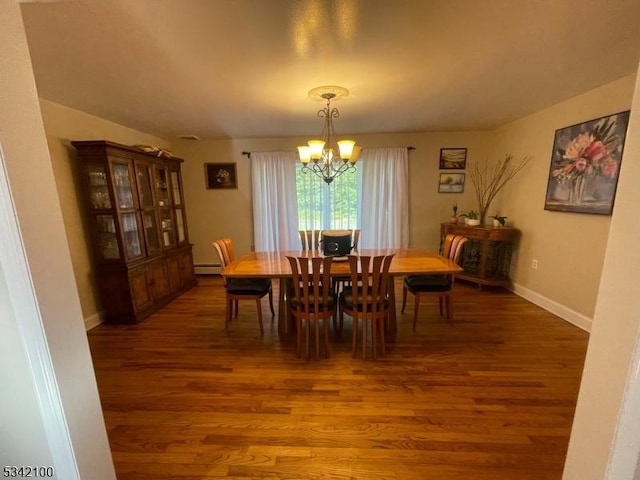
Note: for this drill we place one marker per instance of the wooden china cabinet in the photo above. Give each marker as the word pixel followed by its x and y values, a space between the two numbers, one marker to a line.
pixel 138 226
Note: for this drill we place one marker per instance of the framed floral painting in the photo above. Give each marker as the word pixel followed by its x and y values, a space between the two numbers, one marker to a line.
pixel 585 164
pixel 220 175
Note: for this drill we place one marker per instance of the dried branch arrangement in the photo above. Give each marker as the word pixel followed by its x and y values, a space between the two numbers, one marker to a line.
pixel 489 178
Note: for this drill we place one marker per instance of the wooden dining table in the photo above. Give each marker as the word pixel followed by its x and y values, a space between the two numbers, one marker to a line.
pixel 274 265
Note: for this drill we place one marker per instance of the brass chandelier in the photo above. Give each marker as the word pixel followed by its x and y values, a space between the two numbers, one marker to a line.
pixel 329 157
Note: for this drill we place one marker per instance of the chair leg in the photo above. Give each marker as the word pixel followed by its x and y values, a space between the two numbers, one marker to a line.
pixel 404 298
pixel 316 331
pixel 354 327
pixel 415 310
pixel 307 335
pixel 449 307
pixel 440 305
pixel 298 336
pixel 235 308
pixel 325 326
pixel 273 312
pixel 382 343
pixel 228 313
pixel 259 305
pixel 364 337
pixel 374 338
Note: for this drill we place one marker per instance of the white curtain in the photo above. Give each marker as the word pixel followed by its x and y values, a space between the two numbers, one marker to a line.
pixel 275 208
pixel 385 198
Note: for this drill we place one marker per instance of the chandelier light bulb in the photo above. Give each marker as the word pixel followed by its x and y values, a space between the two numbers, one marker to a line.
pixel 305 154
pixel 316 148
pixel 346 149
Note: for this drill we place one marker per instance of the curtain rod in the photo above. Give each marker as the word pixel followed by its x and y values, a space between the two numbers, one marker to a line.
pixel 248 154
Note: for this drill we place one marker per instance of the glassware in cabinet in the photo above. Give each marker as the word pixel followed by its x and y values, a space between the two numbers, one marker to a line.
pixel 123 187
pixel 168 232
pixel 107 237
pixel 131 235
pixel 98 186
pixel 162 186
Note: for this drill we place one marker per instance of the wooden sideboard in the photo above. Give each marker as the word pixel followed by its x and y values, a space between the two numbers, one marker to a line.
pixel 486 257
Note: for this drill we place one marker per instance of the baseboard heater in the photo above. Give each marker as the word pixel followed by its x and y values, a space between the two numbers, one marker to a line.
pixel 207 268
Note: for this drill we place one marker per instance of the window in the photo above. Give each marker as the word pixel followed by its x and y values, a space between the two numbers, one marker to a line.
pixel 333 206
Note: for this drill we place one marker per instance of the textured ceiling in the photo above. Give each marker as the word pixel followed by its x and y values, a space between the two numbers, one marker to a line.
pixel 242 68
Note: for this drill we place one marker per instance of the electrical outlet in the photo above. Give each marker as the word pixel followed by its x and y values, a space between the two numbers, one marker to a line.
pixel 534 263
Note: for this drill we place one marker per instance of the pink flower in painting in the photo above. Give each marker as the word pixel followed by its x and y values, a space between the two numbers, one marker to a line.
pixel 595 151
pixel 589 154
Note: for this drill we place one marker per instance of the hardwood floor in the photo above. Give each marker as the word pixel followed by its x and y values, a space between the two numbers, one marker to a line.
pixel 488 397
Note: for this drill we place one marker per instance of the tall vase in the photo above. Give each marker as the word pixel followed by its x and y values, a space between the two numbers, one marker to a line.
pixel 576 190
pixel 483 214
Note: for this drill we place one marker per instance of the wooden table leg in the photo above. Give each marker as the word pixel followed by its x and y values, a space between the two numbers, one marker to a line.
pixel 282 308
pixel 393 326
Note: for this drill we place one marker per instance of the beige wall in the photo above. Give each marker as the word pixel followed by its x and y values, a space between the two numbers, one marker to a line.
pixel 62 126
pixel 614 341
pixel 36 204
pixel 220 213
pixel 569 246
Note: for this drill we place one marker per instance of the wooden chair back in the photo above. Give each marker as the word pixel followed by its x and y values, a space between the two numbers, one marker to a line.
pixel 312 300
pixel 310 239
pixel 367 299
pixel 224 247
pixel 452 246
pixel 371 275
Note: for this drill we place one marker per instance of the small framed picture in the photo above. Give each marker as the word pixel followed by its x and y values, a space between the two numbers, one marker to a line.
pixel 451 183
pixel 453 158
pixel 220 175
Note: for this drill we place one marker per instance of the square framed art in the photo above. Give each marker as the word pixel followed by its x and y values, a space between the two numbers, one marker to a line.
pixel 585 163
pixel 221 175
pixel 451 183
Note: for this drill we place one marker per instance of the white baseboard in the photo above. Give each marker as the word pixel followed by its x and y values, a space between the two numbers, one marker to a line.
pixel 207 269
pixel 571 316
pixel 93 321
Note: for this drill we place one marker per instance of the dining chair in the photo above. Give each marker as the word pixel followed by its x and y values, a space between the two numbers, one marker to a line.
pixel 310 239
pixel 367 300
pixel 440 286
pixel 311 300
pixel 237 289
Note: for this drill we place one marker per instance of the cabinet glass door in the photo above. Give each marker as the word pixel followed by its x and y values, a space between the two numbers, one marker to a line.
pixel 98 187
pixel 131 235
pixel 123 187
pixel 144 182
pixel 107 239
pixel 151 230
pixel 168 234
pixel 162 186
pixel 180 226
pixel 176 188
